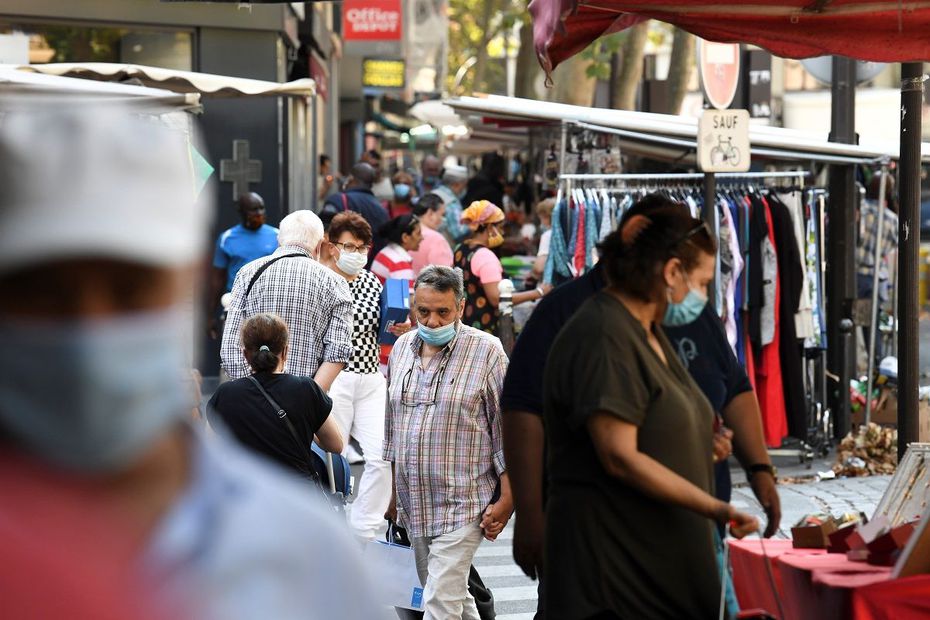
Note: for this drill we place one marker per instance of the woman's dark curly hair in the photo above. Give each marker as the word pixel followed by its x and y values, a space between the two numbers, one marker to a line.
pixel 654 230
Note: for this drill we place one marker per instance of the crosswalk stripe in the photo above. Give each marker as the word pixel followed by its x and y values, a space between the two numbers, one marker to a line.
pixel 528 616
pixel 499 570
pixel 515 593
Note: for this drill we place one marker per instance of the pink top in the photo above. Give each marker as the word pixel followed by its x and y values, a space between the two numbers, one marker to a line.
pixel 434 250
pixel 487 266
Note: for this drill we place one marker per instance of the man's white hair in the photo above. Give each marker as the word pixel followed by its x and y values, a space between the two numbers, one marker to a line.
pixel 302 228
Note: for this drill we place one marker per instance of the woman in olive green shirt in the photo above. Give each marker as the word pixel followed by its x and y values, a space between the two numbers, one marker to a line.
pixel 630 512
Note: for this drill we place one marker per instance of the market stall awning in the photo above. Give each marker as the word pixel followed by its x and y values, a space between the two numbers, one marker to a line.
pixel 663 132
pixel 881 31
pixel 178 81
pixel 21 87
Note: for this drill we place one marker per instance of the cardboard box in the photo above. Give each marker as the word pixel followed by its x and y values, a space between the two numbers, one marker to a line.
pixel 885 411
pixel 813 536
pixel 395 308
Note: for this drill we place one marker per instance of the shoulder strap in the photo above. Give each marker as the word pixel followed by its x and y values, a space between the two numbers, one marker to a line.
pixel 262 269
pixel 345 201
pixel 281 413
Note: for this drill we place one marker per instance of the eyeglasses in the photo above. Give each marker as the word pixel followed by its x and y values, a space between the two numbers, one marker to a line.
pixel 351 248
pixel 411 400
pixel 703 226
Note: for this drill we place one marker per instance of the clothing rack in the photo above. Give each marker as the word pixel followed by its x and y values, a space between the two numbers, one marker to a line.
pixel 687 176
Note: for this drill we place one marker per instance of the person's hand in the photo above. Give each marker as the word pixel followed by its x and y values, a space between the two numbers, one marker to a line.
pixel 495 518
pixel 741 524
pixel 399 329
pixel 723 444
pixel 545 288
pixel 528 544
pixel 763 486
pixel 391 512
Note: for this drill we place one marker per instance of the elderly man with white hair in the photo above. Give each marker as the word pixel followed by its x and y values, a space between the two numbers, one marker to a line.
pixel 315 303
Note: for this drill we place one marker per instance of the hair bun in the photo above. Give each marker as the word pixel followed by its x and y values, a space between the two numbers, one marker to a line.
pixel 633 228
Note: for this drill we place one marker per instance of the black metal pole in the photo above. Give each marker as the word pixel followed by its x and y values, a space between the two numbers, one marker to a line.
pixel 710 216
pixel 908 253
pixel 841 244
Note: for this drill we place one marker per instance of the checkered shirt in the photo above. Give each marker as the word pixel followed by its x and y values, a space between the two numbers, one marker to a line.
pixel 314 302
pixel 868 235
pixel 366 291
pixel 443 430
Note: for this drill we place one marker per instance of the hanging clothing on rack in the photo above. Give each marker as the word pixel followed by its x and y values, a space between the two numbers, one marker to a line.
pixel 791 284
pixel 557 270
pixel 769 381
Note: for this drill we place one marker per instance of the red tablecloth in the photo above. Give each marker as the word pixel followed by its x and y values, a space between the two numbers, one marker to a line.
pixel 750 577
pixel 900 599
pixel 820 586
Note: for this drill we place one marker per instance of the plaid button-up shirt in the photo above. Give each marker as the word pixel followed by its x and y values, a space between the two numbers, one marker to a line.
pixel 314 302
pixel 868 236
pixel 443 430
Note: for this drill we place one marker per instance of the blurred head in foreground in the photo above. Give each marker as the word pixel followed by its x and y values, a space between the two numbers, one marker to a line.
pixel 100 234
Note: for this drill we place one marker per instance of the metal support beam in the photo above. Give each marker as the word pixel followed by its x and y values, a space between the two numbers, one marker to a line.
pixel 912 80
pixel 841 244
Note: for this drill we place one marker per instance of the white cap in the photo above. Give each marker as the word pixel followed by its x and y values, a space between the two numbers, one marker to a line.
pixel 96 181
pixel 455 173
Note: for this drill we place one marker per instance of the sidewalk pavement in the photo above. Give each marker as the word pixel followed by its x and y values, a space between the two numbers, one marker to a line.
pixel 805 494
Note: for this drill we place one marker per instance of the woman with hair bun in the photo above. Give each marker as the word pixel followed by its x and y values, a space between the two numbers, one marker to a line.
pixel 242 408
pixel 630 516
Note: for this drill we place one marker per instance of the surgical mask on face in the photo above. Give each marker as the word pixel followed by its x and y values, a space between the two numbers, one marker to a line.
pixel 437 336
pixel 431 180
pixel 92 396
pixel 351 263
pixel 686 311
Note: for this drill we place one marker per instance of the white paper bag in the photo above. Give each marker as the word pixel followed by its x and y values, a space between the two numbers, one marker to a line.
pixel 395 570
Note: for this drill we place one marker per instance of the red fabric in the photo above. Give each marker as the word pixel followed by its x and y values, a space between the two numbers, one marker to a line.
pixel 820 586
pixel 769 386
pixel 750 361
pixel 864 29
pixel 750 577
pixel 580 243
pixel 900 599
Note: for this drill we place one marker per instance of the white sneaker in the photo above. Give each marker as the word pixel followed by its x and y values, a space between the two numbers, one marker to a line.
pixel 353 456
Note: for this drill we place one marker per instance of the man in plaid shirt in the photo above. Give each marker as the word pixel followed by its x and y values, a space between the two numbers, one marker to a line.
pixel 314 302
pixel 442 435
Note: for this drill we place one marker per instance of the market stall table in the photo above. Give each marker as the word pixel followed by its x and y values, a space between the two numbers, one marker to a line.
pixel 816 586
pixel 751 581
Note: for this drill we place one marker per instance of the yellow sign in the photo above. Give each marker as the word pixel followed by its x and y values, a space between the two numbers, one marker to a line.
pixel 380 73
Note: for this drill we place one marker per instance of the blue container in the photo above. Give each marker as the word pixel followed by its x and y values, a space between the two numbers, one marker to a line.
pixel 395 308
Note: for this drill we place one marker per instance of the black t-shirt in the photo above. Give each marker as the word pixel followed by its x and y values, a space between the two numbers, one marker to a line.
pixel 704 351
pixel 250 417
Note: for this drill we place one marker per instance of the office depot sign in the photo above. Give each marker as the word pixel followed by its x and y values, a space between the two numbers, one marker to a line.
pixel 371 20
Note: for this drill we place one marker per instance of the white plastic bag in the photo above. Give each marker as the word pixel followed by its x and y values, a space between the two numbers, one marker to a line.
pixel 395 571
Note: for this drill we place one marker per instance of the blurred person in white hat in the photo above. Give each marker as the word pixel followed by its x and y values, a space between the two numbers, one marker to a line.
pixel 452 189
pixel 98 250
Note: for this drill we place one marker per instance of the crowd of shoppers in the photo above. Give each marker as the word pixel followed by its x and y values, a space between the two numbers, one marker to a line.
pixel 620 376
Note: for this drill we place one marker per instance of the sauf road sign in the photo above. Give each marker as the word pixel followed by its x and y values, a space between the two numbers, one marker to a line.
pixel 723 141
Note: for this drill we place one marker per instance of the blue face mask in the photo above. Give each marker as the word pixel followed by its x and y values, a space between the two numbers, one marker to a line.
pixel 92 396
pixel 431 180
pixel 401 191
pixel 686 311
pixel 437 336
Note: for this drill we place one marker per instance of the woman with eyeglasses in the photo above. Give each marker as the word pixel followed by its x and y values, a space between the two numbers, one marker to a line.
pixel 482 269
pixel 629 529
pixel 359 391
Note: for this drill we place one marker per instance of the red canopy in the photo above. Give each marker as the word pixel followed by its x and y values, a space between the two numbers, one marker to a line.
pixel 881 31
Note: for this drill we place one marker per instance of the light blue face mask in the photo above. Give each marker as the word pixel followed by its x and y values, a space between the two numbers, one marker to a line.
pixel 437 336
pixel 686 311
pixel 92 396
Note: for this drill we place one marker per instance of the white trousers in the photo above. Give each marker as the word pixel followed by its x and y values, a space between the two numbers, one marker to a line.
pixel 358 407
pixel 443 563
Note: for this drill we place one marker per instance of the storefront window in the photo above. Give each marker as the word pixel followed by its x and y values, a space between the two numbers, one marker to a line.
pixel 59 43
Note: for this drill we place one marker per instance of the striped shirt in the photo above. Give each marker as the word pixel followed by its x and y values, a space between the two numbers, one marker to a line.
pixel 442 430
pixel 393 262
pixel 868 236
pixel 314 302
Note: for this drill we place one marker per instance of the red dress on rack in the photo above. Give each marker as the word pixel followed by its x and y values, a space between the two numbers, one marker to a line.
pixel 769 387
